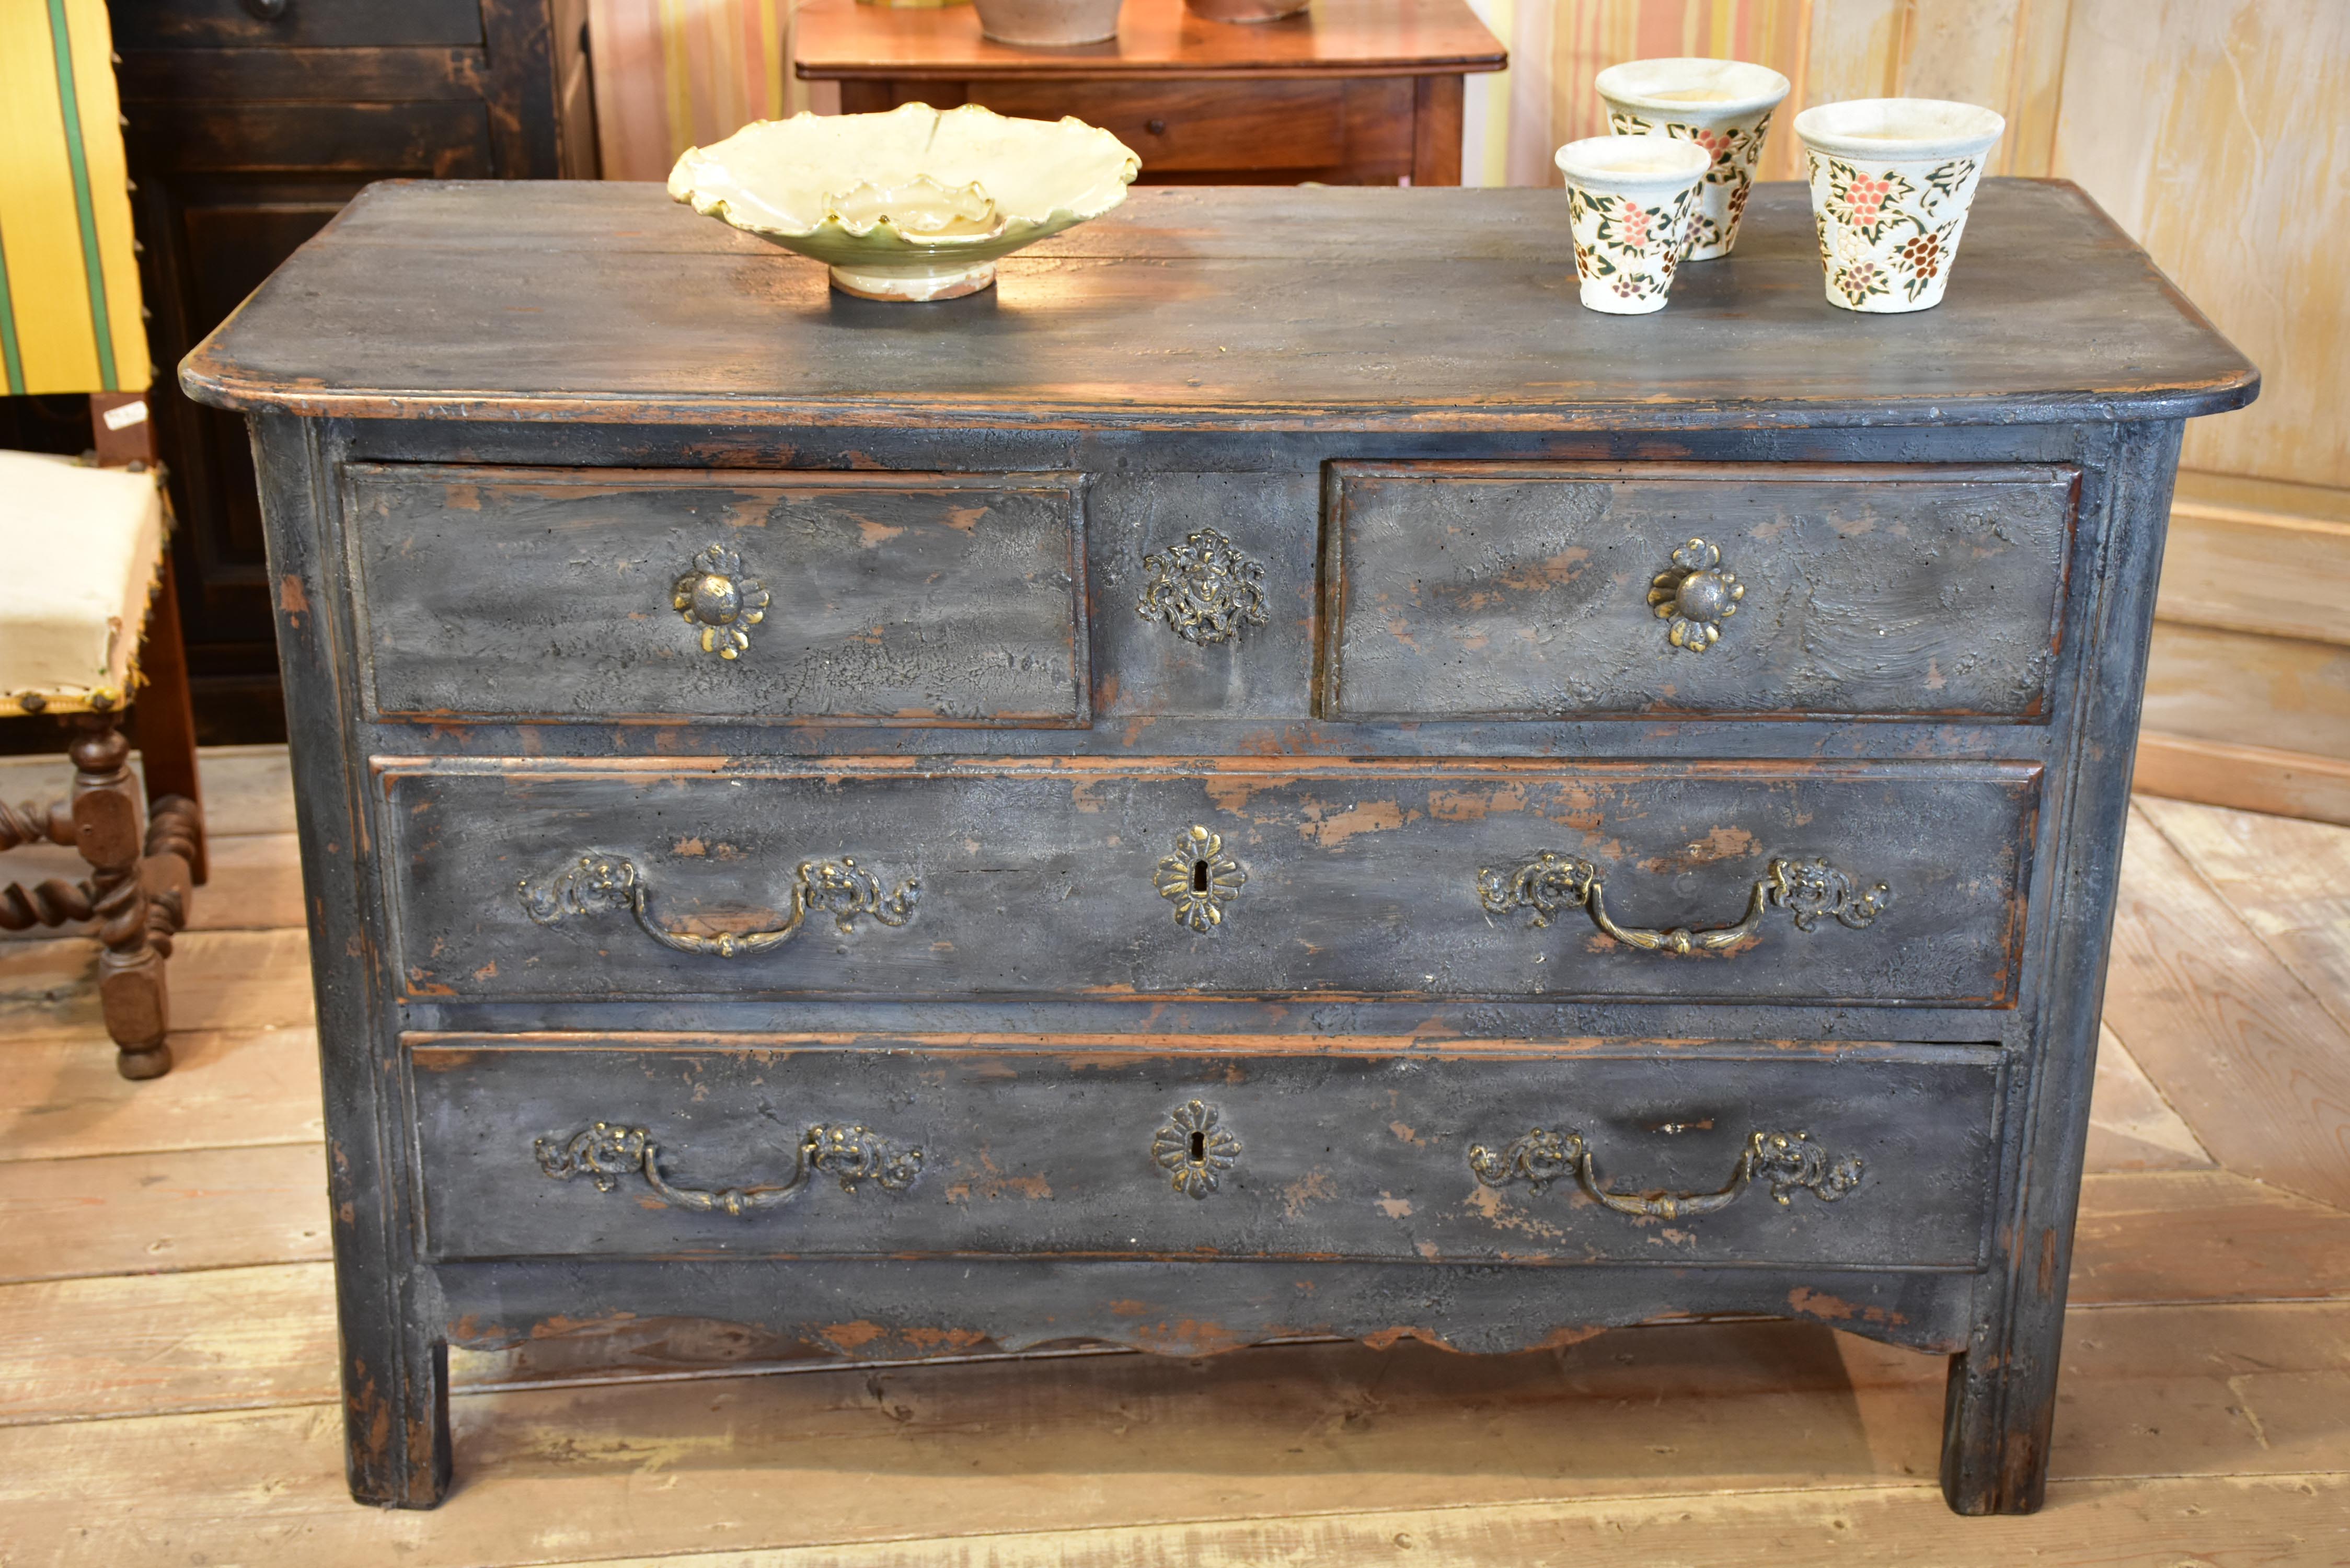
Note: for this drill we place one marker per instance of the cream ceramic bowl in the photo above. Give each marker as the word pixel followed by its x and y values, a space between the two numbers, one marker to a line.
pixel 913 204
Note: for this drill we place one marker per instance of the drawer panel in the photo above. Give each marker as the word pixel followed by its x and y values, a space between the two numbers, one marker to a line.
pixel 1075 1148
pixel 552 594
pixel 443 139
pixel 220 23
pixel 1529 591
pixel 516 879
pixel 1196 126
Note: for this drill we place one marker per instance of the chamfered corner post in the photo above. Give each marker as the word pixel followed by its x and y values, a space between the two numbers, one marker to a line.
pixel 2000 1405
pixel 395 1362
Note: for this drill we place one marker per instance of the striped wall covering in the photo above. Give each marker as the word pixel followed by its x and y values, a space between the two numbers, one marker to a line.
pixel 69 312
pixel 672 73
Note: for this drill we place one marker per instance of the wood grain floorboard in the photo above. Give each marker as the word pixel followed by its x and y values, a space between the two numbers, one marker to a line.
pixel 227 1089
pixel 2237 1042
pixel 753 1463
pixel 2131 1126
pixel 2228 1523
pixel 151 1213
pixel 2289 879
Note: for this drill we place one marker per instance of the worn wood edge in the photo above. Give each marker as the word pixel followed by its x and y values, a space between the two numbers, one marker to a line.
pixel 2247 778
pixel 933 411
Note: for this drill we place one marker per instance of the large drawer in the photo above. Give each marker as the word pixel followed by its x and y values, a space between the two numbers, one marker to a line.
pixel 1464 590
pixel 1627 1153
pixel 604 594
pixel 923 878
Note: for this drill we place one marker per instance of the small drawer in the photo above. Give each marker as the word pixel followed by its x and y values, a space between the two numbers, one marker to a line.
pixel 449 140
pixel 314 23
pixel 1179 126
pixel 1678 1155
pixel 1587 590
pixel 610 594
pixel 1130 878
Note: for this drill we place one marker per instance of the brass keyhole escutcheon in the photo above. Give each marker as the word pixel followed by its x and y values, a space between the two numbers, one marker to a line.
pixel 1195 1148
pixel 1199 878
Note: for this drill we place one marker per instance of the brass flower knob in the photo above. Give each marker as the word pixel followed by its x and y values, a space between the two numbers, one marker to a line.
pixel 718 600
pixel 1696 595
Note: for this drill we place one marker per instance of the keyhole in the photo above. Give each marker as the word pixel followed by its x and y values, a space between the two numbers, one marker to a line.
pixel 1199 1148
pixel 1198 885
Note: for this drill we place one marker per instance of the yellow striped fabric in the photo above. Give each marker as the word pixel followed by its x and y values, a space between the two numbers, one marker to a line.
pixel 70 315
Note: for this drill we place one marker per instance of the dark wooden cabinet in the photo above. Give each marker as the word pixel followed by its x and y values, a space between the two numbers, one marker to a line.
pixel 248 126
pixel 1180 800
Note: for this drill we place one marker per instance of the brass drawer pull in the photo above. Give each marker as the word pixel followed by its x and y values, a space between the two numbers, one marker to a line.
pixel 1791 1162
pixel 609 1151
pixel 718 601
pixel 1807 889
pixel 1696 595
pixel 841 887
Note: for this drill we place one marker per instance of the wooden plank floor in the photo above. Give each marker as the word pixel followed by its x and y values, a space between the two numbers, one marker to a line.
pixel 167 1335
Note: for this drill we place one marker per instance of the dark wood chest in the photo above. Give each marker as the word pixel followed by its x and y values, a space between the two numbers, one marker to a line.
pixel 1270 775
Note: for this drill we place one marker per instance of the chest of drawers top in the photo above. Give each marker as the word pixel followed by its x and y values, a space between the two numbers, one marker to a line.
pixel 1232 310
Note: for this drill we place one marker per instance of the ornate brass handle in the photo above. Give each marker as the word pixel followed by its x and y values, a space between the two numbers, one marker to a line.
pixel 1205 588
pixel 597 881
pixel 1552 881
pixel 609 1151
pixel 1791 1162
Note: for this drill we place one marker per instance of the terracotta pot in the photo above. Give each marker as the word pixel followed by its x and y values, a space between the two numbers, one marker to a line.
pixel 1048 22
pixel 1245 10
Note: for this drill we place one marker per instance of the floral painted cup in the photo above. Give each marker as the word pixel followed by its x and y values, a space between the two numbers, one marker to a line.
pixel 1630 200
pixel 1891 181
pixel 1723 105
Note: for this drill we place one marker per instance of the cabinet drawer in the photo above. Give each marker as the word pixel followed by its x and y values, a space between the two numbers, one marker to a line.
pixel 551 594
pixel 1197 125
pixel 1872 1156
pixel 1114 878
pixel 221 23
pixel 1533 591
pixel 445 140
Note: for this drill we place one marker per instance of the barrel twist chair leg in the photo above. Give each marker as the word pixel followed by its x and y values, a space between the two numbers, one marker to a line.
pixel 106 817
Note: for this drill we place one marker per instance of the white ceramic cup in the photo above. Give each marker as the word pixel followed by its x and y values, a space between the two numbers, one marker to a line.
pixel 1723 105
pixel 1630 200
pixel 1891 181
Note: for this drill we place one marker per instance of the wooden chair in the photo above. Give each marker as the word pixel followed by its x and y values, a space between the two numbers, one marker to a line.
pixel 87 614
